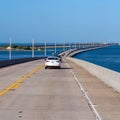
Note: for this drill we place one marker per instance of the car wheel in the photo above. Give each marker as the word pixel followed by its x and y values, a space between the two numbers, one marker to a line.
pixel 45 67
pixel 59 67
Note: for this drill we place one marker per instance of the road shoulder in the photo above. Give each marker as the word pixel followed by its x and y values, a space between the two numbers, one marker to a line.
pixel 105 99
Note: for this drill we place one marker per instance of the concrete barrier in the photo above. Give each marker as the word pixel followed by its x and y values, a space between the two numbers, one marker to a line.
pixel 17 61
pixel 111 78
pixel 77 51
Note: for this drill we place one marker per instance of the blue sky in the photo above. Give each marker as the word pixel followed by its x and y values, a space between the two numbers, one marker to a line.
pixel 60 20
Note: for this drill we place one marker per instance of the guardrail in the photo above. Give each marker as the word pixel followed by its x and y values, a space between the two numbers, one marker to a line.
pixel 17 61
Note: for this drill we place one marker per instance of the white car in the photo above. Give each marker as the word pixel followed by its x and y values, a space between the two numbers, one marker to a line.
pixel 52 61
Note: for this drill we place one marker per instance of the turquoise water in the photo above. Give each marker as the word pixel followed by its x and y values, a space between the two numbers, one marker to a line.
pixel 108 57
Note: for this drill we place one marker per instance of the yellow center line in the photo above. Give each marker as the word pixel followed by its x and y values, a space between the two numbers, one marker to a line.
pixel 17 84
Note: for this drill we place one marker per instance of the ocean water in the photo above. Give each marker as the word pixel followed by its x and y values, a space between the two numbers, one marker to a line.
pixel 108 57
pixel 16 54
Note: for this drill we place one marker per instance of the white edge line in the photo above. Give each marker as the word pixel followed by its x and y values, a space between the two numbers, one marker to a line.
pixel 86 96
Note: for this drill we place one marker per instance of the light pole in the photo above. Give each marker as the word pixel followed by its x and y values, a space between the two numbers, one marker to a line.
pixel 45 48
pixel 33 48
pixel 10 49
pixel 64 46
pixel 55 48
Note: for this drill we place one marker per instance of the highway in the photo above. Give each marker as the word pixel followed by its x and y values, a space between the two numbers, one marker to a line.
pixel 30 92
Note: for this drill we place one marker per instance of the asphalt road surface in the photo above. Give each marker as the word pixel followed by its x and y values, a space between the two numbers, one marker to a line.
pixel 30 92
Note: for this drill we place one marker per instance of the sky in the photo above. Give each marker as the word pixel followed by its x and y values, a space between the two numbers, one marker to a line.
pixel 60 20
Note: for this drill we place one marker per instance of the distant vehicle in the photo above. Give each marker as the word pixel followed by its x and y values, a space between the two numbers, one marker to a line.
pixel 52 61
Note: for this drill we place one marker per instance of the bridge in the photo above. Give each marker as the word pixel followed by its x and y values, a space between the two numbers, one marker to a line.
pixel 30 92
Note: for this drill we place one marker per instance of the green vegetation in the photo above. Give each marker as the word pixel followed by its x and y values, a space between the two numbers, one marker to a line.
pixel 21 47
